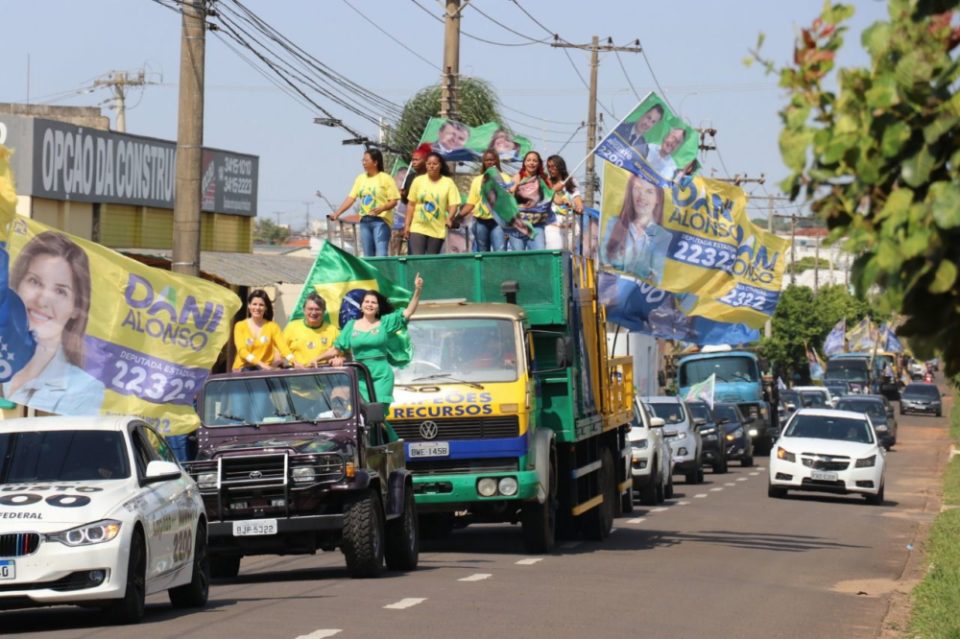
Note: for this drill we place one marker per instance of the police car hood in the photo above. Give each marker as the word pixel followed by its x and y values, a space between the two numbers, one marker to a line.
pixel 49 507
pixel 335 441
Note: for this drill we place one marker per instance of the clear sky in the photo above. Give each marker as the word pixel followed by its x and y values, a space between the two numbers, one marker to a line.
pixel 695 48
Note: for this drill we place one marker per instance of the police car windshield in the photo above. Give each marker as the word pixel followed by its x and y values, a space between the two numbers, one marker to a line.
pixel 255 401
pixel 62 455
pixel 462 350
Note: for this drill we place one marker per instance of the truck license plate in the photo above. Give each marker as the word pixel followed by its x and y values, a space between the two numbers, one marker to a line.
pixel 254 527
pixel 820 475
pixel 8 569
pixel 429 449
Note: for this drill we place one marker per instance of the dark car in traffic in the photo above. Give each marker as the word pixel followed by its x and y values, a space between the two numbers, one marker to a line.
pixel 736 435
pixel 921 398
pixel 714 452
pixel 880 412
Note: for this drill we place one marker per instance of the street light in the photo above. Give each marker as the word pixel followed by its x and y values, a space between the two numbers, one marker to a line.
pixel 328 121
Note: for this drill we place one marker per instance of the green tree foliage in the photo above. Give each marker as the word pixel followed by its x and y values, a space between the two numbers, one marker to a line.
pixel 807 263
pixel 803 319
pixel 878 158
pixel 478 104
pixel 267 232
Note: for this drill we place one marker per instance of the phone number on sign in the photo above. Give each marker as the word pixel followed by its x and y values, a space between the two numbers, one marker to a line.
pixel 139 381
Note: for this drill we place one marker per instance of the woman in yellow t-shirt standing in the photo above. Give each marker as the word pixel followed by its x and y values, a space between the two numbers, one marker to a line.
pixel 433 201
pixel 258 339
pixel 487 233
pixel 377 194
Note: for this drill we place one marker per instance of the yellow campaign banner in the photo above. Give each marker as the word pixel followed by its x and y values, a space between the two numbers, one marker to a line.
pixel 113 336
pixel 692 236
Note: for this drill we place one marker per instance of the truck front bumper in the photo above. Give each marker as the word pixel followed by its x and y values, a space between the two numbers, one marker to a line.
pixel 440 490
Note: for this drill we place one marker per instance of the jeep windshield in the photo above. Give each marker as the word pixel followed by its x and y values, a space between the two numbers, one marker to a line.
pixel 847 370
pixel 727 369
pixel 62 455
pixel 460 350
pixel 255 401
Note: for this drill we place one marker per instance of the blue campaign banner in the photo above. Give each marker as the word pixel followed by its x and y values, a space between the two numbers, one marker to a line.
pixel 639 306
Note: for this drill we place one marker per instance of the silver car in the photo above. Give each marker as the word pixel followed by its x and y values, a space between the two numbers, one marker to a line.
pixel 682 434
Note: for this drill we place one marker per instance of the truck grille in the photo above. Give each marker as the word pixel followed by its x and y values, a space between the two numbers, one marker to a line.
pixel 463 466
pixel 18 544
pixel 468 428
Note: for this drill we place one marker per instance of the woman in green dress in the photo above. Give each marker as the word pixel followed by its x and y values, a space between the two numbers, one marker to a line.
pixel 366 339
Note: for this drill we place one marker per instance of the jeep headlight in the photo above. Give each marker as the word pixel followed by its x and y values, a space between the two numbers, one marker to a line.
pixel 96 533
pixel 303 474
pixel 207 480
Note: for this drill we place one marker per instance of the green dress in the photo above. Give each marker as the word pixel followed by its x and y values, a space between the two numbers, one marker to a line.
pixel 371 348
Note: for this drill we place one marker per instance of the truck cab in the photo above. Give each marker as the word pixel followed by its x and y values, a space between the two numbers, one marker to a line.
pixel 849 373
pixel 738 381
pixel 291 462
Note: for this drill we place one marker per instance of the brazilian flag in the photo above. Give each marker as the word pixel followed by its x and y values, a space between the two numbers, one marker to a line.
pixel 341 280
pixel 503 205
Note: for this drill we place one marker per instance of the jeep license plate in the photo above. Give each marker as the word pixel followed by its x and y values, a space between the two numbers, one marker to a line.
pixel 429 449
pixel 819 475
pixel 8 569
pixel 254 527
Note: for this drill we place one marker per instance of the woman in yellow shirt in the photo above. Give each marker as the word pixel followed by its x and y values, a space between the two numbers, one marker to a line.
pixel 258 339
pixel 487 233
pixel 433 201
pixel 378 195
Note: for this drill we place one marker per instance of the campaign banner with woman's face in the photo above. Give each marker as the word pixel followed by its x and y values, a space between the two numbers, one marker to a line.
pixel 692 236
pixel 457 142
pixel 113 336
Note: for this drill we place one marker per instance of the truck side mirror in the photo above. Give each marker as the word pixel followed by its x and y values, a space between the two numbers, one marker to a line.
pixel 374 412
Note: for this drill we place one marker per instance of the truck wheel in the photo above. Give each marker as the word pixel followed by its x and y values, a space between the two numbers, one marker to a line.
pixel 403 538
pixel 598 521
pixel 195 593
pixel 130 608
pixel 435 525
pixel 224 567
pixel 746 461
pixel 539 521
pixel 363 535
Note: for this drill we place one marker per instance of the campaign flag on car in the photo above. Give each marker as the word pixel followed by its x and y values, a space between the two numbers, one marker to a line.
pixel 502 204
pixel 891 341
pixel 835 340
pixel 17 344
pixel 341 280
pixel 704 390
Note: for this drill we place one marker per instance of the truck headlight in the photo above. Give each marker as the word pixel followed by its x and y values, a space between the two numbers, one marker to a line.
pixel 508 486
pixel 96 533
pixel 207 480
pixel 303 474
pixel 487 487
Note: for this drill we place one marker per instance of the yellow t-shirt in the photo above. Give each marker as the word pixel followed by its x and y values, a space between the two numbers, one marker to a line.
pixel 481 211
pixel 251 350
pixel 432 201
pixel 373 192
pixel 309 343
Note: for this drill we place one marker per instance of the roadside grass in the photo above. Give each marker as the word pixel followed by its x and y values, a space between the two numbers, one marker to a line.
pixel 936 600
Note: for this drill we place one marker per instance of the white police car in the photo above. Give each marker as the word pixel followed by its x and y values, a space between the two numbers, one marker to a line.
pixel 97 510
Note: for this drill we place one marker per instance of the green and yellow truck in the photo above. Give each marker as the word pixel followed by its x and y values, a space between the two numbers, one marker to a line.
pixel 512 409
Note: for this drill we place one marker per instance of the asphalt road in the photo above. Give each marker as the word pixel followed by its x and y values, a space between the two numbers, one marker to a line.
pixel 720 560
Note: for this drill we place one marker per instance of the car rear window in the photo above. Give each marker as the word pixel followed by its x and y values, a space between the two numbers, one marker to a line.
pixel 829 427
pixel 871 408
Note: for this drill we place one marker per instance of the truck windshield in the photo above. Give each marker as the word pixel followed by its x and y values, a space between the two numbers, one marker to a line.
pixel 854 370
pixel 728 369
pixel 275 400
pixel 464 349
pixel 62 455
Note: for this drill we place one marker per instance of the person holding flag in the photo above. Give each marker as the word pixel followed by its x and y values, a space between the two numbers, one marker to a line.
pixel 488 234
pixel 367 340
pixel 535 199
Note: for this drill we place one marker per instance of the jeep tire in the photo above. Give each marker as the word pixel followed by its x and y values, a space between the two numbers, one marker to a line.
pixel 363 535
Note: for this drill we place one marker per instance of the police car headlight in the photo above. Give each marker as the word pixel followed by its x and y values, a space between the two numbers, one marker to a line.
pixel 96 533
pixel 302 474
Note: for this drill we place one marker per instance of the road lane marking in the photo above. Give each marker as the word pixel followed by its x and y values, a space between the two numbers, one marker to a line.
pixel 477 576
pixel 409 602
pixel 700 496
pixel 755 474
pixel 636 520
pixel 741 479
pixel 321 634
pixel 760 468
pixel 658 510
pixel 683 503
pixel 529 561
pixel 715 490
pixel 729 483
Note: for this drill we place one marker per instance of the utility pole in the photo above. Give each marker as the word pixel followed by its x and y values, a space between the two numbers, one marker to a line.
pixel 187 199
pixel 793 248
pixel 595 48
pixel 119 81
pixel 449 99
pixel 816 267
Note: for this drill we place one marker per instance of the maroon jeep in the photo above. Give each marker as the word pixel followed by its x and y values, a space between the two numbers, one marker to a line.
pixel 294 461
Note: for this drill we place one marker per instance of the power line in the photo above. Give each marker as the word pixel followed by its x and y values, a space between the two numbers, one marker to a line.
pixel 537 22
pixel 653 75
pixel 585 85
pixel 389 35
pixel 534 117
pixel 511 30
pixel 627 76
pixel 474 37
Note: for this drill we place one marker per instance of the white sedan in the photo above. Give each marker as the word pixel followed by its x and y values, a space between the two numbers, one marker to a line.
pixel 96 510
pixel 831 451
